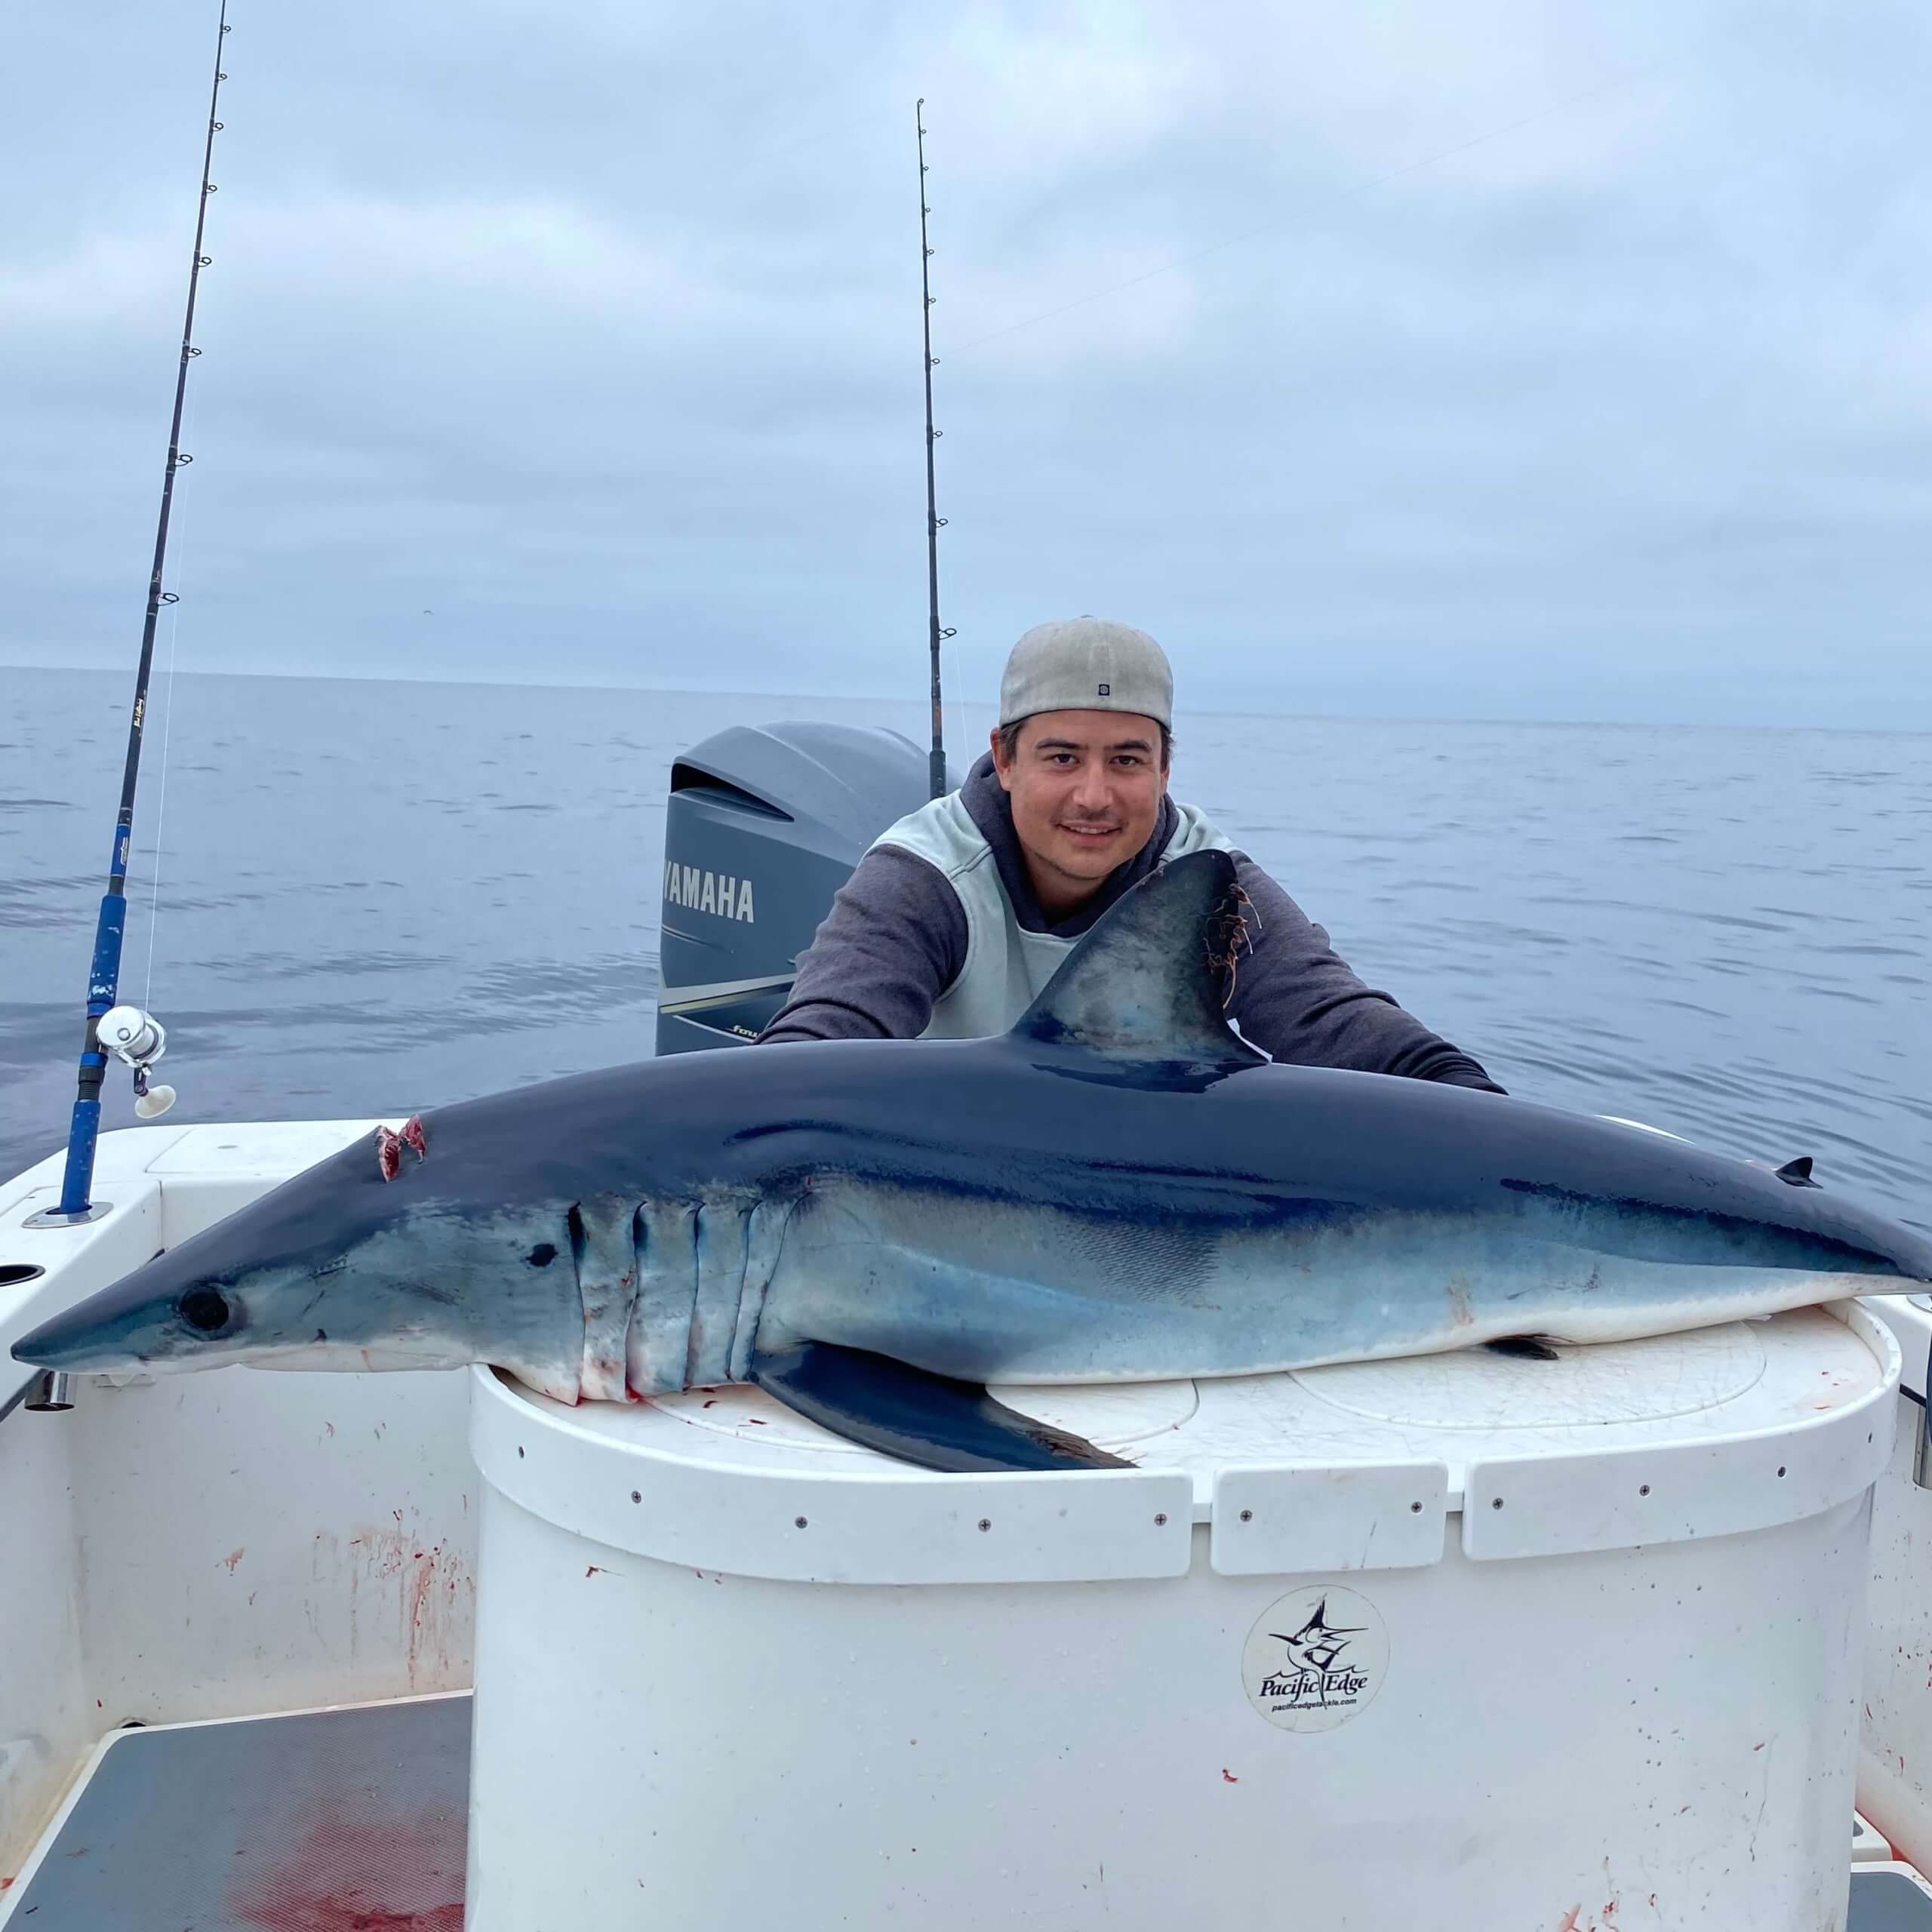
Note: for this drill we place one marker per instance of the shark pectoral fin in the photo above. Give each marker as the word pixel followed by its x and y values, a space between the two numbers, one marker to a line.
pixel 1150 982
pixel 1526 1348
pixel 929 1419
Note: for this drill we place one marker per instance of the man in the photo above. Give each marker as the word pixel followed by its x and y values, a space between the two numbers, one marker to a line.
pixel 958 914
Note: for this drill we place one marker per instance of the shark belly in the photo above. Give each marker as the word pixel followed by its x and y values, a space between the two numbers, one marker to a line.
pixel 984 1290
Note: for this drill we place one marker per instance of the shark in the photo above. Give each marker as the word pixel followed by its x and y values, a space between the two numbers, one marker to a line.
pixel 1120 1189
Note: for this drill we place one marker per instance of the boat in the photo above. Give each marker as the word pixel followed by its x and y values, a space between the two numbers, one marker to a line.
pixel 1645 1642
pixel 245 1614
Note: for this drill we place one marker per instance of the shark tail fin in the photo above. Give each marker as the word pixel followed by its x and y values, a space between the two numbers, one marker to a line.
pixel 1149 982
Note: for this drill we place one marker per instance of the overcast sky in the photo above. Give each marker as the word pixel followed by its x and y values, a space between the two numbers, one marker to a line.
pixel 1459 358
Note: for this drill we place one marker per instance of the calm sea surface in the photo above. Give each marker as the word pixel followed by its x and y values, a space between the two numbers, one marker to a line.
pixel 382 896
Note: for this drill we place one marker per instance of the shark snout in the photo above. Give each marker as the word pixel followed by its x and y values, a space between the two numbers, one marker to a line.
pixel 173 1304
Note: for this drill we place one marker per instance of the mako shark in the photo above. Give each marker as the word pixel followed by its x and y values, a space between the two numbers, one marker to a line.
pixel 1120 1190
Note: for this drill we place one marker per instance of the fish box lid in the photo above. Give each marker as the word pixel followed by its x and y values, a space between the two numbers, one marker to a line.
pixel 1362 1466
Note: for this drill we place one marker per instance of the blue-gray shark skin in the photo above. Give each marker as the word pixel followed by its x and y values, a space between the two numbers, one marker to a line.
pixel 1120 1190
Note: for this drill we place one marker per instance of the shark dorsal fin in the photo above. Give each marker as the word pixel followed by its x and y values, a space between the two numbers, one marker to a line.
pixel 1146 983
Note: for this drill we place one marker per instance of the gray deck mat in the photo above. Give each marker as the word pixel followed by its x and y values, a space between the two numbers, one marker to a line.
pixel 338 1820
pixel 1887 1901
pixel 319 1823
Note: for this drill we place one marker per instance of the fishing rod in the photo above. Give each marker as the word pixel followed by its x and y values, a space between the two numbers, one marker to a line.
pixel 934 519
pixel 126 1032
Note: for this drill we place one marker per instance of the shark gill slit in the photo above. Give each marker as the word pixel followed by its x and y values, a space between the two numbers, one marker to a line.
pixel 573 1229
pixel 764 1239
pixel 640 1260
pixel 605 1242
pixel 719 1221
pixel 662 1308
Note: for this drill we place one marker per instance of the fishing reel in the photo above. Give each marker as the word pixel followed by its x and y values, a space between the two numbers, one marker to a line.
pixel 138 1039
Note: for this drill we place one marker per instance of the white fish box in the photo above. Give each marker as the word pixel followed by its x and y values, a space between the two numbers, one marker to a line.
pixel 1459 1642
pixel 1894 1785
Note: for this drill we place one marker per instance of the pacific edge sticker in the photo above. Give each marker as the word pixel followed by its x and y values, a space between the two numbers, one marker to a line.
pixel 1315 1658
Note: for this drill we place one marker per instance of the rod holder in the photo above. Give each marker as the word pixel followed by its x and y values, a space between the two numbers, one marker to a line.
pixel 58 1217
pixel 50 1392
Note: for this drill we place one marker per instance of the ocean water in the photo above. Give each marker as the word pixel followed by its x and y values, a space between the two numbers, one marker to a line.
pixel 381 896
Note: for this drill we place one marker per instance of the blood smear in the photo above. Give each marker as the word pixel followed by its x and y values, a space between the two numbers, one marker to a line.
pixel 399 1874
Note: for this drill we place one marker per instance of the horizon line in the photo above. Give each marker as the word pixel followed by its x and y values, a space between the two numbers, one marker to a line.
pixel 916 702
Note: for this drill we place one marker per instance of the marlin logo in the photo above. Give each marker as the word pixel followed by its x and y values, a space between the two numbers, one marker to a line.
pixel 700 891
pixel 1318 1643
pixel 1323 1670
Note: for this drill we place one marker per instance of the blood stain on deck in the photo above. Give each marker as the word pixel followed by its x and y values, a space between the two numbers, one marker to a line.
pixel 397 1873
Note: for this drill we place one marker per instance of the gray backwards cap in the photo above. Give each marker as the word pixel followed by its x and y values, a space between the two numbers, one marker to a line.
pixel 1087 664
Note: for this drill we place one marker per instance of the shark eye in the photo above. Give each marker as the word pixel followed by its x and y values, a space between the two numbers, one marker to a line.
pixel 205 1309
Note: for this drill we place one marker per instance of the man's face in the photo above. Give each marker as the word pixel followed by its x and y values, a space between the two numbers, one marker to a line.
pixel 1086 789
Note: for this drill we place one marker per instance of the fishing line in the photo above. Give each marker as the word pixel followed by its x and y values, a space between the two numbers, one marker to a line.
pixel 180 576
pixel 1273 227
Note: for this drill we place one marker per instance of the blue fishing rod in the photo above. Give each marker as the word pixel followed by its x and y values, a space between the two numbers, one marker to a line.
pixel 125 1032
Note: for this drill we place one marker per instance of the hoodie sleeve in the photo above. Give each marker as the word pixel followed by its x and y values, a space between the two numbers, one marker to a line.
pixel 1295 999
pixel 894 941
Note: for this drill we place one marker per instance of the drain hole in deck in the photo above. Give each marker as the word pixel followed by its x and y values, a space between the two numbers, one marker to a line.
pixel 13 1273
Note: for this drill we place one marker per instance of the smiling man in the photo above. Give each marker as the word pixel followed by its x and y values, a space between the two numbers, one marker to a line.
pixel 958 914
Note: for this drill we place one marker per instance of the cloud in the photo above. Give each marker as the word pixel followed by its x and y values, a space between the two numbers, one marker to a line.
pixel 1428 354
pixel 1034 96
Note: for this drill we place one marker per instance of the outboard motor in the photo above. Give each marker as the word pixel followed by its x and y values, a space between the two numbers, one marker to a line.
pixel 763 825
